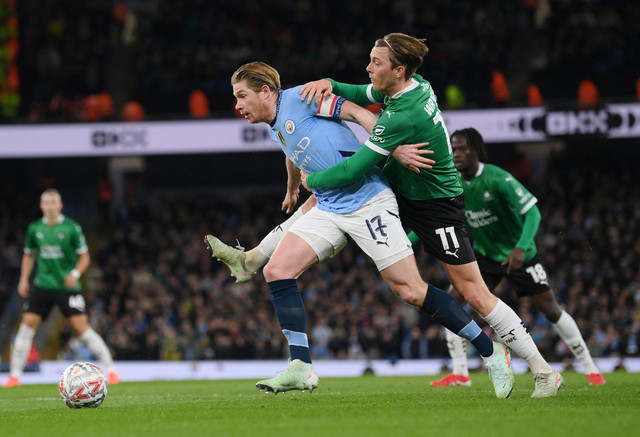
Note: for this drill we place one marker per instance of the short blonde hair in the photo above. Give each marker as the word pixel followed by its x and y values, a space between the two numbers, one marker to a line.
pixel 51 191
pixel 257 74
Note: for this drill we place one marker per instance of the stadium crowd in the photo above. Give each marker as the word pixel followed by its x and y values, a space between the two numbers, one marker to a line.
pixel 157 52
pixel 155 293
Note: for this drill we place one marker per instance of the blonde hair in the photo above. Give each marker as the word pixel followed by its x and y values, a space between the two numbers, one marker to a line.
pixel 404 50
pixel 257 74
pixel 51 191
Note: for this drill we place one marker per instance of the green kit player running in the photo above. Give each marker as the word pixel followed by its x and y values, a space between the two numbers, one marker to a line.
pixel 59 247
pixel 431 202
pixel 503 219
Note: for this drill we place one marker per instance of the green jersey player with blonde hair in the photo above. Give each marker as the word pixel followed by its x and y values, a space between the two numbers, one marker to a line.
pixel 431 202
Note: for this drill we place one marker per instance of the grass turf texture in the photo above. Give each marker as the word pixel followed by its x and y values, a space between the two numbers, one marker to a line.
pixel 365 406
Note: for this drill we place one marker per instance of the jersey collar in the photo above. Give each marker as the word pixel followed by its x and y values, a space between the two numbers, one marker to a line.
pixel 478 173
pixel 413 85
pixel 273 122
pixel 60 219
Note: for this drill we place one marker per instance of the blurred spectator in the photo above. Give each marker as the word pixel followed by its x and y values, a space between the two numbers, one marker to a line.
pixel 588 95
pixel 132 111
pixel 534 96
pixel 500 88
pixel 198 105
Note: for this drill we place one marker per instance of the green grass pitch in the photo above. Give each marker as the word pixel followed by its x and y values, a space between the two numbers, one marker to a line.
pixel 364 406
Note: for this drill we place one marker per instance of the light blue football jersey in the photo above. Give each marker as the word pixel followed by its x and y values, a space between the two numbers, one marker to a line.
pixel 314 138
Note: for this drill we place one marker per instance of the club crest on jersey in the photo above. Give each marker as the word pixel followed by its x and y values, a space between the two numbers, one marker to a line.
pixel 486 195
pixel 60 236
pixel 289 126
pixel 378 130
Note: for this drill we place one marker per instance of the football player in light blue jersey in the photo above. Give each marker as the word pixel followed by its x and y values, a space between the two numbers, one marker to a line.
pixel 314 138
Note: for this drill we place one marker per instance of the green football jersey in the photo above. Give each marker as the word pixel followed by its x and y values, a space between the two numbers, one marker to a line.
pixel 56 249
pixel 495 205
pixel 411 116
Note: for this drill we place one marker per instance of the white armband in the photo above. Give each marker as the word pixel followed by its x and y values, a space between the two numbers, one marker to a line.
pixel 327 105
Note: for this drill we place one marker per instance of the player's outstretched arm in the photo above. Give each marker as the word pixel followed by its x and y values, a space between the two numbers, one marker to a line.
pixel 357 114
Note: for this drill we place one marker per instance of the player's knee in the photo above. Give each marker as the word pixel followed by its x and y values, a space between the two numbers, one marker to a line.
pixel 270 272
pixel 275 272
pixel 410 294
pixel 551 312
pixel 474 296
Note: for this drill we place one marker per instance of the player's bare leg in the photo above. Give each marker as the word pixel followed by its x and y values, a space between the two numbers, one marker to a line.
pixel 466 278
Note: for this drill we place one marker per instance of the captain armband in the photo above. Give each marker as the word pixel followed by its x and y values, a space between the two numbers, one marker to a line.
pixel 330 105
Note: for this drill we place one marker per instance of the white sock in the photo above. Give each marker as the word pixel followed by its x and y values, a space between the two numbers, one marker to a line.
pixel 569 332
pixel 99 348
pixel 506 323
pixel 21 349
pixel 258 256
pixel 458 352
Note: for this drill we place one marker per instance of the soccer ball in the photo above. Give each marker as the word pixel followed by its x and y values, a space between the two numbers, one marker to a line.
pixel 83 385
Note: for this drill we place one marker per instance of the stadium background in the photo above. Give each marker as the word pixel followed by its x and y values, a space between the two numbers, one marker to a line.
pixel 154 292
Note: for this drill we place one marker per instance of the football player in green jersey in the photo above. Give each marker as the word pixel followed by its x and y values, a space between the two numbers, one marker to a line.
pixel 431 202
pixel 503 219
pixel 58 246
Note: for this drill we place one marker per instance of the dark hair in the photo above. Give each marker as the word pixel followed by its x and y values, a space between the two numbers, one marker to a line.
pixel 475 140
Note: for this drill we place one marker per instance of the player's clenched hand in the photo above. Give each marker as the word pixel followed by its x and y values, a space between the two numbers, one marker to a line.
pixel 23 288
pixel 410 156
pixel 303 179
pixel 315 89
pixel 290 201
pixel 515 260
pixel 70 281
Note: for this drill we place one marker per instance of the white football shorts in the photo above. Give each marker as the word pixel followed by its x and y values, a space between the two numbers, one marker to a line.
pixel 375 227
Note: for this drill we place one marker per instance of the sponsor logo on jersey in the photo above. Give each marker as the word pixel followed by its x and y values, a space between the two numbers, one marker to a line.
pixel 50 252
pixel 299 156
pixel 378 130
pixel 478 219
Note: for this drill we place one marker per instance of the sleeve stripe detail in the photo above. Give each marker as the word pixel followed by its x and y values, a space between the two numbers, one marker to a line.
pixel 370 94
pixel 377 149
pixel 528 206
